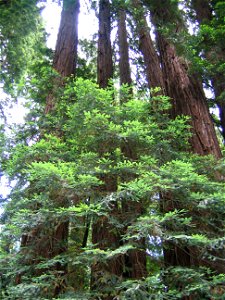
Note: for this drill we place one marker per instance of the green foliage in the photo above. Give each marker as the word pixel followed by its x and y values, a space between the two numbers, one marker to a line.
pixel 21 42
pixel 62 167
pixel 60 177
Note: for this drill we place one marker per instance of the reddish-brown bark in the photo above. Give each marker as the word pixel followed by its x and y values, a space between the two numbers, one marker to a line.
pixel 104 235
pixel 124 64
pixel 46 242
pixel 65 56
pixel 213 55
pixel 186 93
pixel 151 59
pixel 188 99
pixel 104 63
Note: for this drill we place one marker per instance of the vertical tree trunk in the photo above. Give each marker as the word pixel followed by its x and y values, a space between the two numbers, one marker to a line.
pixel 204 16
pixel 185 89
pixel 151 59
pixel 48 242
pixel 104 235
pixel 65 57
pixel 124 64
pixel 134 260
pixel 104 63
pixel 188 99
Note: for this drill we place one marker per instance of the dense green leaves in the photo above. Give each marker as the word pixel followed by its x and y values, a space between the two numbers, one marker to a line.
pixel 21 42
pixel 107 157
pixel 94 127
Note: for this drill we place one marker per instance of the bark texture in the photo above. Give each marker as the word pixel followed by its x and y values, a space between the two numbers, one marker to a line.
pixel 134 260
pixel 151 59
pixel 104 63
pixel 188 99
pixel 185 89
pixel 46 241
pixel 204 15
pixel 104 234
pixel 65 57
pixel 124 65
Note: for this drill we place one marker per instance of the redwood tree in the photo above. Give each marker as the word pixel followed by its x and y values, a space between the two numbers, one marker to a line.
pixel 104 234
pixel 40 243
pixel 151 59
pixel 185 89
pixel 213 51
pixel 187 96
pixel 124 62
pixel 104 64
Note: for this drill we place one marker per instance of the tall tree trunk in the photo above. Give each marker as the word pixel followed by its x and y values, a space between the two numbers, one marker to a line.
pixel 185 89
pixel 65 57
pixel 46 242
pixel 134 260
pixel 124 64
pixel 151 59
pixel 204 15
pixel 188 99
pixel 104 63
pixel 104 235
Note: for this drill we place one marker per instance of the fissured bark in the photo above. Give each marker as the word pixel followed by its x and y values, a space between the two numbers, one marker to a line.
pixel 124 65
pixel 46 242
pixel 104 63
pixel 65 56
pixel 204 15
pixel 151 59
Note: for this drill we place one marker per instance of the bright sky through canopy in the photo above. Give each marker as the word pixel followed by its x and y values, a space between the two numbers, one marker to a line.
pixel 51 14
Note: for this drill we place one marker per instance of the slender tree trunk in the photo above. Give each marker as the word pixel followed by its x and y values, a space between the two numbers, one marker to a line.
pixel 204 16
pixel 104 63
pixel 151 59
pixel 124 64
pixel 134 260
pixel 104 235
